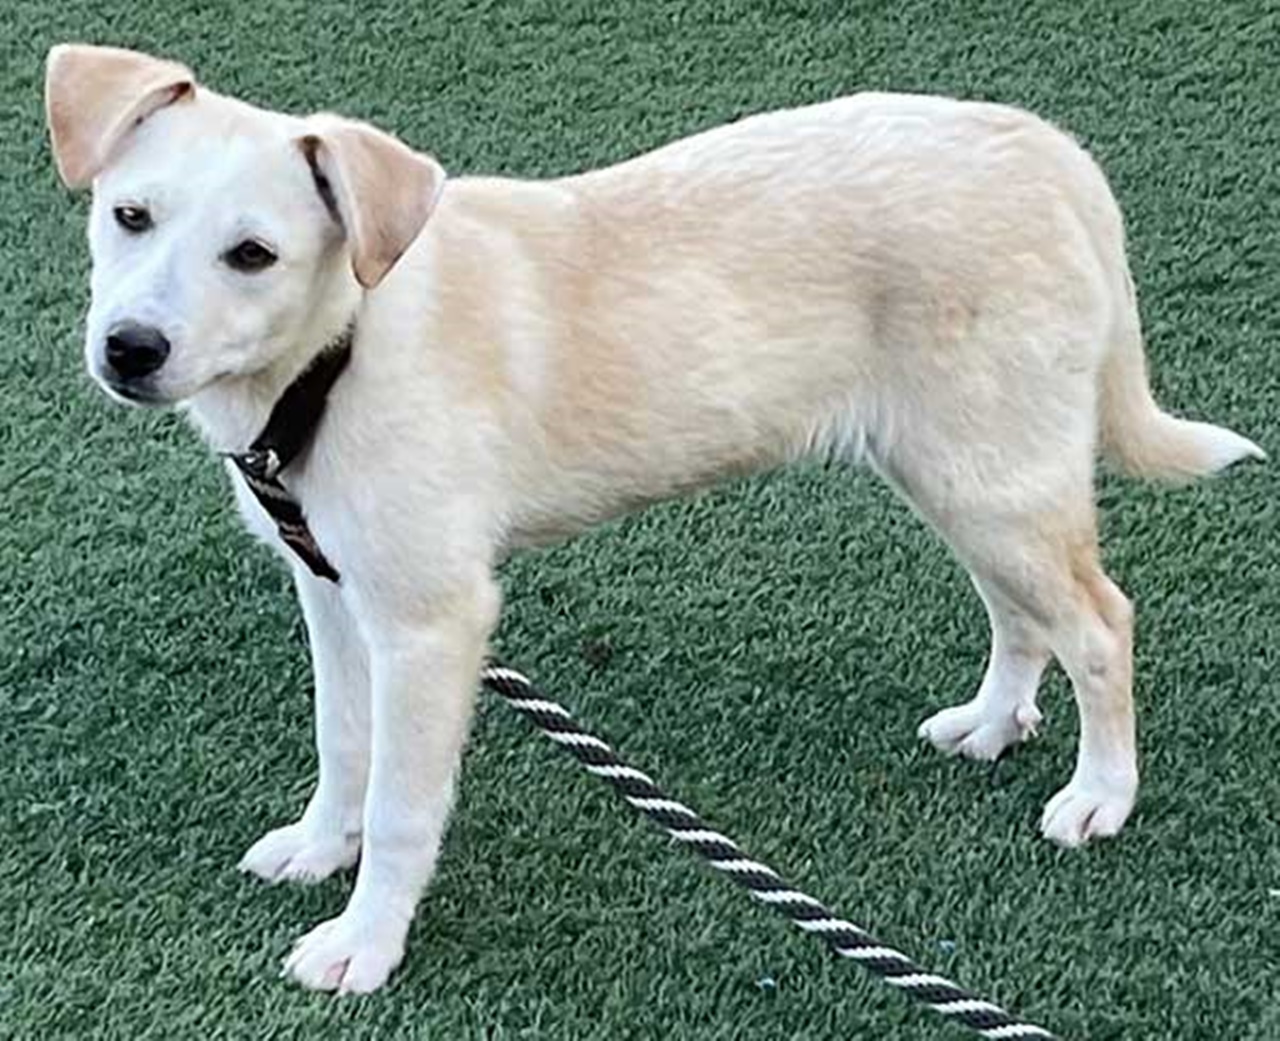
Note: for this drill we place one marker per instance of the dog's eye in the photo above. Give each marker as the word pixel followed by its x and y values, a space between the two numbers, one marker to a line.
pixel 134 219
pixel 249 256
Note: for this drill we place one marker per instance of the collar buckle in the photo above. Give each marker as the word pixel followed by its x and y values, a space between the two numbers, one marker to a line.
pixel 262 463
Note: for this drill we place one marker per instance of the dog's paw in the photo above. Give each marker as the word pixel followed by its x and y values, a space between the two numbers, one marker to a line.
pixel 976 731
pixel 300 853
pixel 346 955
pixel 1082 811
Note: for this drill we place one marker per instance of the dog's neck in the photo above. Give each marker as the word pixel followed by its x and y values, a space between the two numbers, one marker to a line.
pixel 232 412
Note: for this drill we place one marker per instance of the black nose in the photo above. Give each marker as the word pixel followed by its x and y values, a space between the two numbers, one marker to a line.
pixel 134 351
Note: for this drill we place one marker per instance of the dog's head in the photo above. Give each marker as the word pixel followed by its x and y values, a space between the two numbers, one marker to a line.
pixel 222 235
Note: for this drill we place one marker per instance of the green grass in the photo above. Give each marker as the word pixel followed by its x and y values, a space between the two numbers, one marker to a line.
pixel 774 643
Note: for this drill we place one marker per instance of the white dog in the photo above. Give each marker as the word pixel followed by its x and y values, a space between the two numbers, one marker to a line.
pixel 934 287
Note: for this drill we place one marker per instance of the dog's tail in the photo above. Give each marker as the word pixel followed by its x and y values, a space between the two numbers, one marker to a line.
pixel 1136 435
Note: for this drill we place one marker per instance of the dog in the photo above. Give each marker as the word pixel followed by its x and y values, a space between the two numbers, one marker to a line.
pixel 935 288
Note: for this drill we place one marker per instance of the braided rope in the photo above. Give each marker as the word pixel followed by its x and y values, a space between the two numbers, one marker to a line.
pixel 759 880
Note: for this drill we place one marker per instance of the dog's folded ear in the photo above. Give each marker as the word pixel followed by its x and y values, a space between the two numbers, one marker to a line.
pixel 378 189
pixel 95 95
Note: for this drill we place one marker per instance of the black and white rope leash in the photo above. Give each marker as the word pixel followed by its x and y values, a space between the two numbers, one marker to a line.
pixel 760 880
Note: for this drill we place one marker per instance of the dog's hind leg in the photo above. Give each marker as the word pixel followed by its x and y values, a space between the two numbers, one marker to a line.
pixel 1093 638
pixel 1010 488
pixel 1003 712
pixel 1044 564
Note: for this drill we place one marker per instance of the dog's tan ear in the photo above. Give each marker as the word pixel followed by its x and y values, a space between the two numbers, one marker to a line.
pixel 379 190
pixel 95 95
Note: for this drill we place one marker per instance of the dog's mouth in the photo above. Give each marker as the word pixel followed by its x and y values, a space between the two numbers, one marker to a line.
pixel 132 393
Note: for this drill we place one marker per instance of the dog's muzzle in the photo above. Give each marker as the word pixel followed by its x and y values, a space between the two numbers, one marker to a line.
pixel 132 355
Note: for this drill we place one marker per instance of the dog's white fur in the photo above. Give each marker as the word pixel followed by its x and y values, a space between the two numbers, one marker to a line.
pixel 938 288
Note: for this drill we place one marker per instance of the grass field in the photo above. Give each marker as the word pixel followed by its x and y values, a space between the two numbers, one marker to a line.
pixel 773 644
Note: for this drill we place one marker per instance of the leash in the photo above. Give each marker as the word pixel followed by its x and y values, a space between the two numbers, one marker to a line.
pixel 759 880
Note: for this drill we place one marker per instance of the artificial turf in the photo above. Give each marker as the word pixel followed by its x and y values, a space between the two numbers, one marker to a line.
pixel 766 649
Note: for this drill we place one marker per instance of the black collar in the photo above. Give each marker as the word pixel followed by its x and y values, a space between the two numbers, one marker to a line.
pixel 289 430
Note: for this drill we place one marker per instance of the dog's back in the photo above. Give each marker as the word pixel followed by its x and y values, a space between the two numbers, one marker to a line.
pixel 848 278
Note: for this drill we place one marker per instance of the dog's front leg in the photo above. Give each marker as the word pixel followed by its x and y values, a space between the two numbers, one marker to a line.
pixel 327 836
pixel 424 668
